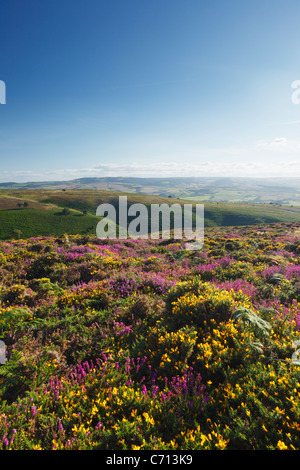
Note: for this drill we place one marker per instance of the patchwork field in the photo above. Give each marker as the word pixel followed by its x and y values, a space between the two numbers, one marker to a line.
pixel 283 191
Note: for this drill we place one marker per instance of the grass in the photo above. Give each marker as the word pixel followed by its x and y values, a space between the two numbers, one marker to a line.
pixel 36 222
pixel 234 214
pixel 44 217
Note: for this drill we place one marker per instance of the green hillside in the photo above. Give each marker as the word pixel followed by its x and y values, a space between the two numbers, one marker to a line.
pixel 54 212
pixel 28 222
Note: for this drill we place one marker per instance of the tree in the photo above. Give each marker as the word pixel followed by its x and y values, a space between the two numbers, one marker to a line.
pixel 66 211
pixel 26 204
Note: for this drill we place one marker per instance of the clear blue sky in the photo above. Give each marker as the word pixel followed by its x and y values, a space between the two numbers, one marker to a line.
pixel 149 88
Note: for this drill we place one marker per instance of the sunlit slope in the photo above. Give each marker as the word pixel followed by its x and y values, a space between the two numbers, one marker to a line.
pixel 54 212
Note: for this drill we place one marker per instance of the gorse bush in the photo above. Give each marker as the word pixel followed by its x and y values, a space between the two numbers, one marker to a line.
pixel 193 302
pixel 140 344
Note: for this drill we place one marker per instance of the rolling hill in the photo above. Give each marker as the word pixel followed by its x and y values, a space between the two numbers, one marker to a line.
pixel 284 191
pixel 73 211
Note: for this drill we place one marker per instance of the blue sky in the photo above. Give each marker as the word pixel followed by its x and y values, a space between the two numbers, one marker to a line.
pixel 149 88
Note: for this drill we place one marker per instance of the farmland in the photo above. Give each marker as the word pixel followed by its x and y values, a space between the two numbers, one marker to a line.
pixel 282 191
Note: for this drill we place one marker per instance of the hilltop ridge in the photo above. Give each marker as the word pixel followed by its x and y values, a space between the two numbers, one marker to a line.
pixel 283 191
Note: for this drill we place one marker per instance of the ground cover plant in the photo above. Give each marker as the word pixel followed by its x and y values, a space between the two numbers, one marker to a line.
pixel 123 344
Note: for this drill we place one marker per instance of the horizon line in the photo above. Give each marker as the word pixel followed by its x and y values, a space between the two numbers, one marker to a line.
pixel 149 177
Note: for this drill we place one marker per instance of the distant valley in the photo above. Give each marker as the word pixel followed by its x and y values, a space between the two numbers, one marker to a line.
pixel 283 191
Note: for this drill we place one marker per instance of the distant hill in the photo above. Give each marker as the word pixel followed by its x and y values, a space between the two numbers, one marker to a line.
pixel 283 191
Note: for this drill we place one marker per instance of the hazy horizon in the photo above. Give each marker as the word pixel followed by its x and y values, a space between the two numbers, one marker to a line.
pixel 196 179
